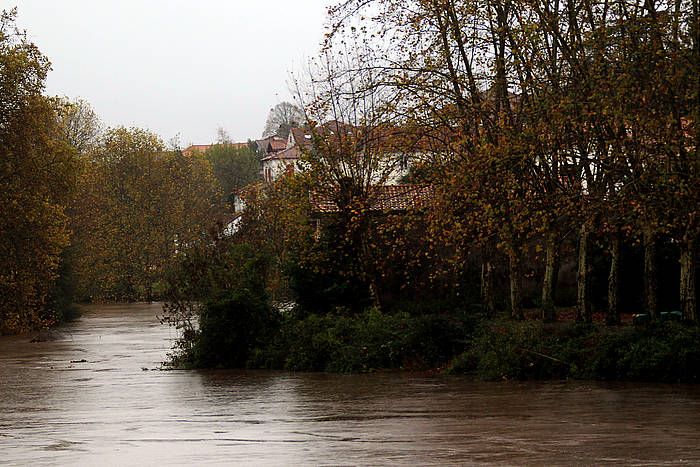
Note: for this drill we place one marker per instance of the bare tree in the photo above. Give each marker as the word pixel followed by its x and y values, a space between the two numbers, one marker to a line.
pixel 282 118
pixel 81 125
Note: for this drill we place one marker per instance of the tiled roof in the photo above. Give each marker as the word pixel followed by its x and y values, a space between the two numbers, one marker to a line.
pixel 271 144
pixel 384 198
pixel 288 154
pixel 302 137
pixel 277 144
pixel 195 148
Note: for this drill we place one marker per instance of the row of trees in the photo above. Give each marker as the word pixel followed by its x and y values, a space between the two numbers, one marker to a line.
pixel 546 127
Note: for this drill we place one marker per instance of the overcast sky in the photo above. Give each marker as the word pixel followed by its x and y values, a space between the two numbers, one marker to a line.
pixel 175 67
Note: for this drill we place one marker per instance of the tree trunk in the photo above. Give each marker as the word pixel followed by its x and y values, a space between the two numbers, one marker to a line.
pixel 487 269
pixel 550 278
pixel 650 288
pixel 687 282
pixel 374 295
pixel 613 317
pixel 514 266
pixel 583 305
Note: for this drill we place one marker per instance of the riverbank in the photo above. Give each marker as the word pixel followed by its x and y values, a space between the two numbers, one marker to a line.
pixel 464 343
pixel 659 352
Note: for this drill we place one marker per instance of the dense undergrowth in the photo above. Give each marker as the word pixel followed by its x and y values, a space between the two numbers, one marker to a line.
pixel 240 330
pixel 668 352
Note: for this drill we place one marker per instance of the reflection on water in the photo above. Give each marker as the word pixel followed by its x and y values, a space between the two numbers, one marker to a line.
pixel 95 395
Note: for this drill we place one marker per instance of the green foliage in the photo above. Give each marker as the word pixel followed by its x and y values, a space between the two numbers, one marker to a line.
pixel 657 352
pixel 137 208
pixel 216 296
pixel 231 326
pixel 320 281
pixel 532 350
pixel 368 341
pixel 233 166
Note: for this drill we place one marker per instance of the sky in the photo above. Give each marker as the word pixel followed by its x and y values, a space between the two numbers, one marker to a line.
pixel 178 68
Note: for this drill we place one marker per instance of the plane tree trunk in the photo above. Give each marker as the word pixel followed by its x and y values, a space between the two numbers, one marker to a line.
pixel 550 277
pixel 650 279
pixel 613 316
pixel 687 282
pixel 583 305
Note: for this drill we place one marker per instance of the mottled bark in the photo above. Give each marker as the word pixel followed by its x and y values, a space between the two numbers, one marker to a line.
pixel 650 279
pixel 516 311
pixel 687 283
pixel 374 295
pixel 487 292
pixel 583 305
pixel 550 277
pixel 613 316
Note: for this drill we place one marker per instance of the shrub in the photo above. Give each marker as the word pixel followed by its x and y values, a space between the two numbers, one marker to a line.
pixel 231 327
pixel 532 350
pixel 368 341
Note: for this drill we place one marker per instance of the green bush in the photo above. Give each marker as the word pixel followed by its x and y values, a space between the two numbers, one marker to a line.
pixel 368 341
pixel 231 328
pixel 532 350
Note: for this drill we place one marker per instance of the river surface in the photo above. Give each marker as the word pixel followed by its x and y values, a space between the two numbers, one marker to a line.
pixel 95 396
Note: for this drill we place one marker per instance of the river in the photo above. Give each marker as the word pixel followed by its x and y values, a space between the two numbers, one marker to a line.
pixel 95 395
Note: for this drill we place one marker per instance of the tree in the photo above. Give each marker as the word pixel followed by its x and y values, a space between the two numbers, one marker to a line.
pixel 140 206
pixel 233 166
pixel 37 174
pixel 80 123
pixel 561 115
pixel 282 118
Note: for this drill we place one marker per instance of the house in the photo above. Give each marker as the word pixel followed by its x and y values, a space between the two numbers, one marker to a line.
pixel 386 199
pixel 239 198
pixel 270 145
pixel 381 200
pixel 392 147
pixel 280 163
pixel 281 155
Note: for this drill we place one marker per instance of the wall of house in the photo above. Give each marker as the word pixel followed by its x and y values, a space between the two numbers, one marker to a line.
pixel 275 168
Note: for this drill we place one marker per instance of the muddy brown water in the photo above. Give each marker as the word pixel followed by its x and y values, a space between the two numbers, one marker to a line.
pixel 94 396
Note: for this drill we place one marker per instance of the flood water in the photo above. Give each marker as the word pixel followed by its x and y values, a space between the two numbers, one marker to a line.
pixel 95 396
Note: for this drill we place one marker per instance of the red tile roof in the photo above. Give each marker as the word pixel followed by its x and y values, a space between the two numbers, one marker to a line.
pixel 277 144
pixel 288 154
pixel 385 198
pixel 302 137
pixel 195 148
pixel 203 147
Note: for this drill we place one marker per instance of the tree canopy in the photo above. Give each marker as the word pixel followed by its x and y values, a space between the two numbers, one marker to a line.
pixel 283 117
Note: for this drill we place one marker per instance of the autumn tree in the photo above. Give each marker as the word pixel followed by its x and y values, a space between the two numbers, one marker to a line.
pixel 37 170
pixel 357 143
pixel 80 123
pixel 140 206
pixel 562 115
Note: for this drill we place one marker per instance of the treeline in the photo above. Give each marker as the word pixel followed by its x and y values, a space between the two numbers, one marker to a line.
pixel 87 212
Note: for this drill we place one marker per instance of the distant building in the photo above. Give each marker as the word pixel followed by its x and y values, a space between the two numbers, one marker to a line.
pixel 277 161
pixel 202 148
